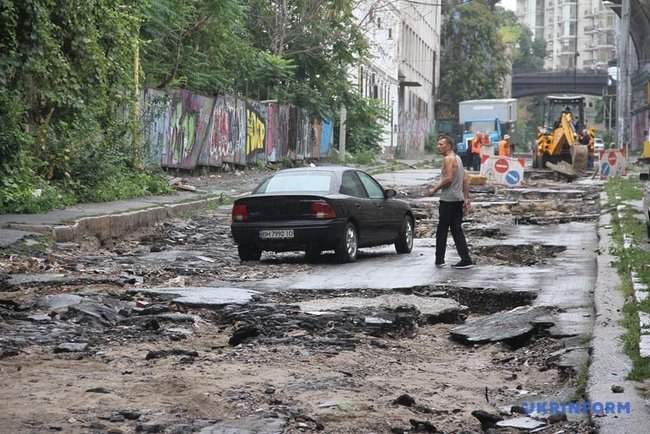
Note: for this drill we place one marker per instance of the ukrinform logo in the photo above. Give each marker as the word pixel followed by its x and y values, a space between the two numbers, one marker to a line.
pixel 578 407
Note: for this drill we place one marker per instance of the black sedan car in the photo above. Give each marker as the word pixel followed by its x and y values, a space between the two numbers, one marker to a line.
pixel 320 208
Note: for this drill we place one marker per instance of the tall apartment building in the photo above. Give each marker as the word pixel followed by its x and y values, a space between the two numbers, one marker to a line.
pixel 575 31
pixel 531 13
pixel 403 66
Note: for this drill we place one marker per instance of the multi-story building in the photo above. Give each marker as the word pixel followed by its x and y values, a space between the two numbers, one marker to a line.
pixel 403 67
pixel 575 31
pixel 419 72
pixel 378 77
pixel 579 34
pixel 531 13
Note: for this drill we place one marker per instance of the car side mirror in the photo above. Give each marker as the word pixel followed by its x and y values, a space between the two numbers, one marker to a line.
pixel 644 176
pixel 389 193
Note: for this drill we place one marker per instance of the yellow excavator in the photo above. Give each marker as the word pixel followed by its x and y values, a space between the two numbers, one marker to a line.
pixel 559 139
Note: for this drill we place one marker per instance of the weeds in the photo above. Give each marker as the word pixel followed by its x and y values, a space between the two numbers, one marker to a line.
pixel 631 259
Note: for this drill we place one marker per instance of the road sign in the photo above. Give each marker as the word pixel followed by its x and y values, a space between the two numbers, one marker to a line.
pixel 611 158
pixel 512 177
pixel 501 165
pixel 503 170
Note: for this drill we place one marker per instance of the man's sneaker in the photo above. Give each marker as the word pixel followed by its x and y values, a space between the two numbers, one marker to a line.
pixel 463 264
pixel 441 264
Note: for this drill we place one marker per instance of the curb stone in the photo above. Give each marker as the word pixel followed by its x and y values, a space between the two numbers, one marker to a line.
pixel 117 224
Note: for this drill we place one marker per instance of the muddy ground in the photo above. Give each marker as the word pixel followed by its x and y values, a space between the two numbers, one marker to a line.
pixel 83 350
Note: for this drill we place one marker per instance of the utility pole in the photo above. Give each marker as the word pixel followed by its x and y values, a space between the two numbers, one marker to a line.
pixel 342 128
pixel 623 85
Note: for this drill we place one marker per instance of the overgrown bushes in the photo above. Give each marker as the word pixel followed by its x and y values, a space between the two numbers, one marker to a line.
pixel 67 74
pixel 70 72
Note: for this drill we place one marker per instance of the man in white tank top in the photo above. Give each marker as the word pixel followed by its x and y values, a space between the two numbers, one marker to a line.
pixel 454 199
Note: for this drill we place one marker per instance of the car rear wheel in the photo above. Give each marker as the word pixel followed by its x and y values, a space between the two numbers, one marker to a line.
pixel 404 243
pixel 249 253
pixel 346 249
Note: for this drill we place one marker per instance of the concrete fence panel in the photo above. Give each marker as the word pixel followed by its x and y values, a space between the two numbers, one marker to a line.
pixel 185 130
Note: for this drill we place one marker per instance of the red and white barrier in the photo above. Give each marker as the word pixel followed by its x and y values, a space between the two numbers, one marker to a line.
pixel 503 170
pixel 613 163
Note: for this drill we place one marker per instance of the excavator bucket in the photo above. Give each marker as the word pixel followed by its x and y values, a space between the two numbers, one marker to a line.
pixel 579 156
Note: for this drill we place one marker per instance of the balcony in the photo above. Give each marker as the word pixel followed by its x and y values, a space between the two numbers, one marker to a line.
pixel 604 46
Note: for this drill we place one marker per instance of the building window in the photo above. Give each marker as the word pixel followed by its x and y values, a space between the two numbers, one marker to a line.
pixel 390 33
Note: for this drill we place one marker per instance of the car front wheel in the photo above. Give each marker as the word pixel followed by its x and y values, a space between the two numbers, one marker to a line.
pixel 249 253
pixel 346 249
pixel 404 243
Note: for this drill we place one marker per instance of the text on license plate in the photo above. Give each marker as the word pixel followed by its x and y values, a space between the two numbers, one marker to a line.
pixel 276 234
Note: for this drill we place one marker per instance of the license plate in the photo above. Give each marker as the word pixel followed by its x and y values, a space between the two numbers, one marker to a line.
pixel 276 234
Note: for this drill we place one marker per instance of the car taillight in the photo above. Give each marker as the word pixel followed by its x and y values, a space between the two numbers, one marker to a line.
pixel 239 213
pixel 322 210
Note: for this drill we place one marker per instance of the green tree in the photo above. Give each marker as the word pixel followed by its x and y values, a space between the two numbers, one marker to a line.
pixel 320 38
pixel 204 46
pixel 473 58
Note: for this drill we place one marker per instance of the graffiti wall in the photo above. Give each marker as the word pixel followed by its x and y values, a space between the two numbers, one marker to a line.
pixel 184 130
pixel 413 133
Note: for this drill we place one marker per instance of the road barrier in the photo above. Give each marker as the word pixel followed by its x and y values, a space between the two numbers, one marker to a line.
pixel 503 170
pixel 612 163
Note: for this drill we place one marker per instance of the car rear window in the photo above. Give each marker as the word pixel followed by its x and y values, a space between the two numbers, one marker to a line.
pixel 303 181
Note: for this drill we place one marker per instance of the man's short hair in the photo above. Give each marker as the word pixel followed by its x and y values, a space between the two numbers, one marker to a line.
pixel 446 138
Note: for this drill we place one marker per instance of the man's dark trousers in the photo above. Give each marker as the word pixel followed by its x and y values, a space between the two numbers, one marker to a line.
pixel 450 215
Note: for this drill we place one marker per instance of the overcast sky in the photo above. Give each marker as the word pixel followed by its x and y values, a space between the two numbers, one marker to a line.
pixel 509 4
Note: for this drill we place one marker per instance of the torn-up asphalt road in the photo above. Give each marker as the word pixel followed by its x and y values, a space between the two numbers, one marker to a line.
pixel 166 331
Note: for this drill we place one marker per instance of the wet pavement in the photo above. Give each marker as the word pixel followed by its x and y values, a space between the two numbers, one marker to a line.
pixel 169 328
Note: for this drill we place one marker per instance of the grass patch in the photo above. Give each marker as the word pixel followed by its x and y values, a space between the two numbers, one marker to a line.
pixel 632 259
pixel 622 189
pixel 582 378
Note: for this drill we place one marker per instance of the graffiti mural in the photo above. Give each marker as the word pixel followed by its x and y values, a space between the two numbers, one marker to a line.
pixel 255 133
pixel 184 130
pixel 413 133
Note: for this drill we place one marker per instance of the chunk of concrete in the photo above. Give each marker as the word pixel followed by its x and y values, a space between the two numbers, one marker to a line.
pixel 501 326
pixel 18 281
pixel 523 423
pixel 247 425
pixel 203 296
pixel 58 301
pixel 71 347
pixel 644 346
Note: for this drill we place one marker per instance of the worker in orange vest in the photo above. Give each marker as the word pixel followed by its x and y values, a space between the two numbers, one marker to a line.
pixel 505 148
pixel 476 151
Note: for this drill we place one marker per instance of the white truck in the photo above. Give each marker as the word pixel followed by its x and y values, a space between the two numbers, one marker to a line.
pixel 495 117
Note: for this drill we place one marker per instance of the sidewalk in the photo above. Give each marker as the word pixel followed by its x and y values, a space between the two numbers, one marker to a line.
pixel 609 365
pixel 103 220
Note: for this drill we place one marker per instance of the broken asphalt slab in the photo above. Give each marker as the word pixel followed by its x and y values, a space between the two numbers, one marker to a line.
pixel 16 282
pixel 432 309
pixel 11 236
pixel 198 296
pixel 514 325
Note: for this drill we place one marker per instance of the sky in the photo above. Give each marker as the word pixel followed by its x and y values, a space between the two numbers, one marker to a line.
pixel 509 4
